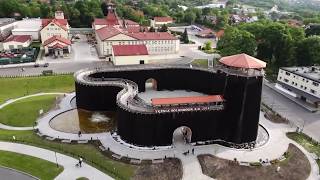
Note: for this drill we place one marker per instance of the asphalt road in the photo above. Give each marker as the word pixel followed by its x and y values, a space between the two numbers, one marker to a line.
pixel 310 122
pixel 7 174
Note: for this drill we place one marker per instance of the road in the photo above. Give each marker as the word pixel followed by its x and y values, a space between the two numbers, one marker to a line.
pixel 293 112
pixel 9 174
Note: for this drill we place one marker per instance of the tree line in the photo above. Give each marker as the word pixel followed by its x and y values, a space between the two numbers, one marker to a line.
pixel 276 43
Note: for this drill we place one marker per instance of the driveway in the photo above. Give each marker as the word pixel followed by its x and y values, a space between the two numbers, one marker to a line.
pixel 310 122
pixel 9 174
pixel 81 51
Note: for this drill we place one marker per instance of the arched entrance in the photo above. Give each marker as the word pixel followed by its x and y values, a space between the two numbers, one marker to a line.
pixel 181 136
pixel 151 84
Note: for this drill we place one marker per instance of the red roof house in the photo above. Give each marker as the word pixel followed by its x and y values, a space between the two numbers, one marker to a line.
pixel 18 38
pixel 57 39
pixel 129 50
pixel 163 19
pixel 243 61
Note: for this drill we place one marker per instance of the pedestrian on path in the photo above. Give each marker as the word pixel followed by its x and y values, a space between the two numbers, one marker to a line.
pixel 193 151
pixel 79 133
pixel 80 162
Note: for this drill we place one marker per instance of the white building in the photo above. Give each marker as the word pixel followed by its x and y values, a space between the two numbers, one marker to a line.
pixel 157 43
pixel 159 21
pixel 113 31
pixel 17 42
pixel 215 4
pixel 6 26
pixel 28 26
pixel 55 35
pixel 301 82
pixel 130 54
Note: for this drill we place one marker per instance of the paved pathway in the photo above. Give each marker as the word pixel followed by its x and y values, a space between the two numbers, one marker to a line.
pixel 12 174
pixel 69 172
pixel 10 101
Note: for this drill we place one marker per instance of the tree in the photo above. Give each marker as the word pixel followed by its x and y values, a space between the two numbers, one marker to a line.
pixel 164 28
pixel 184 36
pixel 235 41
pixel 308 51
pixel 208 45
pixel 190 17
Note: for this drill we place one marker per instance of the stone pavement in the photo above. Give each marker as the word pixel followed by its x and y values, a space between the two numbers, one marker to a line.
pixel 70 170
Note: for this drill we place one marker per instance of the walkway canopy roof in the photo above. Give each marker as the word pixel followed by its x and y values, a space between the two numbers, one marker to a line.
pixel 243 61
pixel 186 100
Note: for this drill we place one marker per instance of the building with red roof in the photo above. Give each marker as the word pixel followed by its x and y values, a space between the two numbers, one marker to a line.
pixel 242 61
pixel 112 30
pixel 159 21
pixel 55 35
pixel 17 42
pixel 130 54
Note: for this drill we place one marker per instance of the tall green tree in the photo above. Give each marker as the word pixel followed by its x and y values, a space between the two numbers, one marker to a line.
pixel 235 41
pixel 184 36
pixel 308 51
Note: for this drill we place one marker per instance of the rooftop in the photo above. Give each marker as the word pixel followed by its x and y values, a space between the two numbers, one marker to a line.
pixel 163 19
pixel 186 100
pixel 129 50
pixel 5 21
pixel 243 61
pixel 57 38
pixel 19 38
pixel 312 72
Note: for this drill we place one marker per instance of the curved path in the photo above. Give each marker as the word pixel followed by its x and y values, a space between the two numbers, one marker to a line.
pixel 3 126
pixel 69 172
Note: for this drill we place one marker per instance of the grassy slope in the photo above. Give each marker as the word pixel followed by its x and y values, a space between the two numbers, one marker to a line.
pixel 89 152
pixel 25 112
pixel 200 63
pixel 30 165
pixel 17 87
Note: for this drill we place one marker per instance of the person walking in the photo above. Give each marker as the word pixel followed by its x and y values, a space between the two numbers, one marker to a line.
pixel 79 133
pixel 193 151
pixel 80 162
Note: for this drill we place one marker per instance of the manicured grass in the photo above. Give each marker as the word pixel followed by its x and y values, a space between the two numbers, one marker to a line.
pixel 17 87
pixel 90 153
pixel 200 63
pixel 39 168
pixel 305 141
pixel 25 112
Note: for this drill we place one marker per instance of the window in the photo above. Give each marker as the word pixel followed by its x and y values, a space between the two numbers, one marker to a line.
pixel 301 87
pixel 292 83
pixel 313 91
pixel 315 84
pixel 305 88
pixel 287 73
pixel 286 80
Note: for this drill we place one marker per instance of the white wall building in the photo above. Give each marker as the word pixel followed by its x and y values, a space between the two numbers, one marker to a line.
pixel 17 42
pixel 159 21
pixel 215 4
pixel 304 82
pixel 129 54
pixel 28 26
pixel 157 43
pixel 6 26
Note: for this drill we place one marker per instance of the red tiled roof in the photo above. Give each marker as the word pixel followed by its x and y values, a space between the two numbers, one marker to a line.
pixel 163 19
pixel 205 32
pixel 152 36
pixel 18 38
pixel 98 21
pixel 57 38
pixel 107 32
pixel 186 100
pixel 129 50
pixel 111 19
pixel 129 22
pixel 59 22
pixel 243 61
pixel 220 33
pixel 58 45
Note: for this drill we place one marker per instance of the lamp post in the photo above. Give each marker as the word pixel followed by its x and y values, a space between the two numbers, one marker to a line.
pixel 55 154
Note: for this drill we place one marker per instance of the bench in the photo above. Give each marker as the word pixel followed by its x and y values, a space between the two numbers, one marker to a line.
pixel 66 141
pixel 135 161
pixel 117 156
pixel 83 141
pixel 156 161
pixel 102 148
pixel 50 138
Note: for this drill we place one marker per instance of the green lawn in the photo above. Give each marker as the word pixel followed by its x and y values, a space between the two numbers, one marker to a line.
pixel 17 87
pixel 306 142
pixel 200 63
pixel 90 153
pixel 24 113
pixel 30 165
